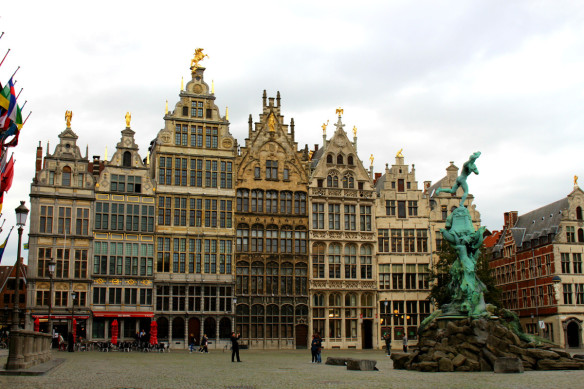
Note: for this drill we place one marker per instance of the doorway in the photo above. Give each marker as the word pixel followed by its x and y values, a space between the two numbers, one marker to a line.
pixel 301 336
pixel 367 333
pixel 573 334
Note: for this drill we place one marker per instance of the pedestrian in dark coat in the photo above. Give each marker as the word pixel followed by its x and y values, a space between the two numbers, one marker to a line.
pixel 314 347
pixel 405 342
pixel 387 339
pixel 235 346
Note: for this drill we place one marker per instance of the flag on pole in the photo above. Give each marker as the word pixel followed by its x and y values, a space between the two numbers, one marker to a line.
pixel 6 180
pixel 3 245
pixel 8 102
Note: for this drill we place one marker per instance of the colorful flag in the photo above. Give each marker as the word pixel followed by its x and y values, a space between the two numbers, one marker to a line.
pixel 7 175
pixel 3 245
pixel 13 129
pixel 10 113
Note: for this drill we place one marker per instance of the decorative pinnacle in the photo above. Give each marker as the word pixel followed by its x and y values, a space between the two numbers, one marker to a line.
pixel 339 111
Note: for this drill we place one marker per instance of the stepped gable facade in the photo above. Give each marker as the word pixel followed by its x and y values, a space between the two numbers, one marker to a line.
pixel 404 251
pixel 61 207
pixel 123 247
pixel 192 161
pixel 343 257
pixel 271 220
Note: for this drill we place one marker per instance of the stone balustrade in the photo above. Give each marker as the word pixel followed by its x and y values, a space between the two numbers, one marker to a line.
pixel 28 348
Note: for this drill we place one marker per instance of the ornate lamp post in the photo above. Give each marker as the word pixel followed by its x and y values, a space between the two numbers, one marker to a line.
pixel 21 214
pixel 52 264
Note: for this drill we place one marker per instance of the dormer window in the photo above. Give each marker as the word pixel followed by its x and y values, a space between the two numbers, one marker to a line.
pixel 329 158
pixel 66 177
pixel 350 160
pixel 197 109
pixel 339 159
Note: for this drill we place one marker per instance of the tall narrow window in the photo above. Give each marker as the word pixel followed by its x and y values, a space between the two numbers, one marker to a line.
pixel 66 176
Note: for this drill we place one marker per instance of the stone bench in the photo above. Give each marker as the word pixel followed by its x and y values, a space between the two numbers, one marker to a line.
pixel 352 363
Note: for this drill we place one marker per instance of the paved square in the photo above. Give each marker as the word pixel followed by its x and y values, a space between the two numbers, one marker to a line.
pixel 260 369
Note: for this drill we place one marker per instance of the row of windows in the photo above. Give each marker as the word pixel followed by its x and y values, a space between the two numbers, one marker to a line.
pixel 62 259
pixel 271 278
pixel 124 217
pixel 216 213
pixel 574 267
pixel 334 216
pixel 66 177
pixel 208 256
pixel 198 136
pixel 195 172
pixel 578 293
pixel 130 259
pixel 271 321
pixel 337 313
pixel 60 298
pixel 398 318
pixel 118 296
pixel 340 159
pixel 194 298
pixel 64 220
pixel 347 182
pixel 271 172
pixel 402 241
pixel 416 276
pixel 401 209
pixel 123 183
pixel 271 201
pixel 270 239
pixel 342 266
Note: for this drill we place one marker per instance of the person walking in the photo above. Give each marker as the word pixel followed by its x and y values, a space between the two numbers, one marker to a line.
pixel 319 350
pixel 405 342
pixel 191 343
pixel 204 343
pixel 314 348
pixel 387 339
pixel 235 346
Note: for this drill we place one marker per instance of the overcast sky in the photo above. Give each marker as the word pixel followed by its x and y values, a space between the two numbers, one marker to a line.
pixel 440 79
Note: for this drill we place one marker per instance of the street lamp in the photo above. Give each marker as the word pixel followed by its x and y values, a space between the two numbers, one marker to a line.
pixel 21 214
pixel 52 264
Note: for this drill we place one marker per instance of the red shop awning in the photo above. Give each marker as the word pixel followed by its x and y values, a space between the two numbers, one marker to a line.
pixel 122 314
pixel 60 317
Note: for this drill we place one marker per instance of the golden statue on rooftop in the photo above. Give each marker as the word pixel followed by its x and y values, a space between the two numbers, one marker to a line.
pixel 197 57
pixel 371 159
pixel 272 123
pixel 399 154
pixel 68 117
pixel 324 127
pixel 339 111
pixel 355 131
pixel 575 180
pixel 128 118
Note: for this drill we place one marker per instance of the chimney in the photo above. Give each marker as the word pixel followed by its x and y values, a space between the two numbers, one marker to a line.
pixel 39 159
pixel 377 177
pixel 510 218
pixel 315 147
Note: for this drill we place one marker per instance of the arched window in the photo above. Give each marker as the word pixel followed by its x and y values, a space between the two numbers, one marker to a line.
pixel 209 328
pixel 271 201
pixel 335 300
pixel 257 278
pixel 225 328
pixel 580 235
pixel 332 180
pixel 301 279
pixel 257 321
pixel 272 320
pixel 242 278
pixel 339 159
pixel 300 240
pixel 329 158
pixel 287 321
pixel 243 318
pixel 301 310
pixel 367 300
pixel 162 327
pixel 286 278
pixel 127 159
pixel 178 328
pixel 66 177
pixel 366 265
pixel 348 181
pixel 257 201
pixel 351 316
pixel 579 213
pixel 243 200
pixel 242 242
pixel 300 203
pixel 351 261
pixel 334 260
pixel 318 250
pixel 272 278
pixel 350 160
pixel 286 202
pixel 257 238
pixel 286 239
pixel 272 239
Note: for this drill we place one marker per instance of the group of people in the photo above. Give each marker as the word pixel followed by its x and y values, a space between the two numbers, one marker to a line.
pixel 142 337
pixel 203 347
pixel 316 348
pixel 387 339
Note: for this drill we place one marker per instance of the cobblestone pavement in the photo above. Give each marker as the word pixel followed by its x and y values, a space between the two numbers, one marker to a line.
pixel 261 369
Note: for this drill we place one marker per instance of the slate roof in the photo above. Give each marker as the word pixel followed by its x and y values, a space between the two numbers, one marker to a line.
pixel 379 183
pixel 316 157
pixel 542 221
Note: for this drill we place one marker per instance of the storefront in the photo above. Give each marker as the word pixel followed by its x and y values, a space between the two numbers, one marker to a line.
pixel 129 324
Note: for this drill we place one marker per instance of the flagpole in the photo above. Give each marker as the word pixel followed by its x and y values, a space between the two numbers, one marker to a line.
pixel 26 118
pixel 5 55
pixel 15 71
pixel 24 102
pixel 19 93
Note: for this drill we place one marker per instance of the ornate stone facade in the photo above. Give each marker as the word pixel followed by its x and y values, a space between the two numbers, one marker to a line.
pixel 343 266
pixel 272 233
pixel 61 215
pixel 192 162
